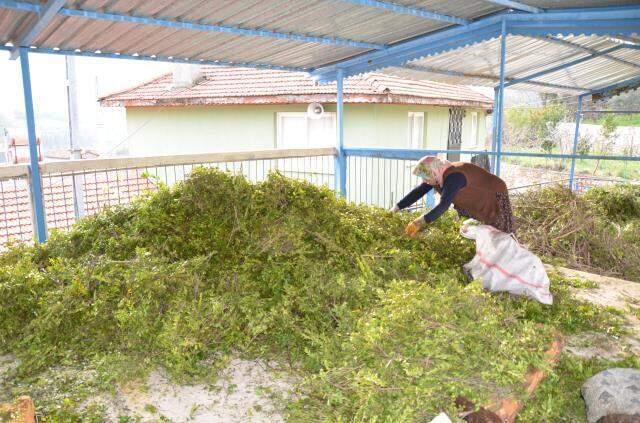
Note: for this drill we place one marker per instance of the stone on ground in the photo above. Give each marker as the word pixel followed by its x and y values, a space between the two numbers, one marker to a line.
pixel 612 391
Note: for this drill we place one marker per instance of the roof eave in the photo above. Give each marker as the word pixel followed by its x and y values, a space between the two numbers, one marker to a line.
pixel 298 99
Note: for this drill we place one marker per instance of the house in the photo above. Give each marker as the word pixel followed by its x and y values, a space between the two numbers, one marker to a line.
pixel 209 109
pixel 17 150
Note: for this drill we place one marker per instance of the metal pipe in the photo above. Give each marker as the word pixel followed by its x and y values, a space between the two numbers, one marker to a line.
pixel 494 130
pixel 503 53
pixel 37 202
pixel 576 136
pixel 516 5
pixel 404 154
pixel 408 10
pixel 341 165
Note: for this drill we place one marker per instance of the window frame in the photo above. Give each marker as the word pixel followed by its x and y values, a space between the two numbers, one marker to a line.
pixel 280 123
pixel 475 129
pixel 410 125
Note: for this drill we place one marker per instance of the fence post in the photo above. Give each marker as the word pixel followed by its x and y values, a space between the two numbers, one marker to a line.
pixel 494 132
pixel 503 52
pixel 340 161
pixel 35 180
pixel 576 137
pixel 77 181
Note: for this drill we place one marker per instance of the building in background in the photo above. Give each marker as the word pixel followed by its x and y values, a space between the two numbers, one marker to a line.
pixel 210 109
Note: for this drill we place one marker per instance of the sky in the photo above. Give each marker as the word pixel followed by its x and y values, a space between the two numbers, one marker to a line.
pixel 95 78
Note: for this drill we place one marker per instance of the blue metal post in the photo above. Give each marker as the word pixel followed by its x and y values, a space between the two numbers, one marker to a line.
pixel 576 137
pixel 431 200
pixel 494 130
pixel 503 53
pixel 40 223
pixel 341 162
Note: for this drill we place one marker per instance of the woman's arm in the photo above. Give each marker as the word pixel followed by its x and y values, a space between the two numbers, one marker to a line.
pixel 451 186
pixel 413 196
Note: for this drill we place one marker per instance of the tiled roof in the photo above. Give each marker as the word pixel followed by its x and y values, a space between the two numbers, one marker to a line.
pixel 220 85
pixel 101 190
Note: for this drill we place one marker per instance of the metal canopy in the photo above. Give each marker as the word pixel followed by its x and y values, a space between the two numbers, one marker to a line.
pixel 537 64
pixel 577 46
pixel 452 41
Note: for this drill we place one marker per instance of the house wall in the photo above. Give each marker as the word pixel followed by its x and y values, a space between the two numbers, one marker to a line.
pixel 197 129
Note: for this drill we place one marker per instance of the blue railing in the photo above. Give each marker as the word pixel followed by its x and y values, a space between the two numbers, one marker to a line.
pixel 372 176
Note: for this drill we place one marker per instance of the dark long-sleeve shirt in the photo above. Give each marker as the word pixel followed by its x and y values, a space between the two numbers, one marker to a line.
pixel 450 187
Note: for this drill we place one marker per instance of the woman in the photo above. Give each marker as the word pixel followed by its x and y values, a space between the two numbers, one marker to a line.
pixel 473 191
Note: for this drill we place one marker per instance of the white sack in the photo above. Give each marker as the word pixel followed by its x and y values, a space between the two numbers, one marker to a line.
pixel 504 265
pixel 441 418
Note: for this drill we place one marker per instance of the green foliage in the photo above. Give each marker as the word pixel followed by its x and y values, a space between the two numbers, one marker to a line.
pixel 534 126
pixel 609 127
pixel 584 145
pixel 378 325
pixel 620 203
pixel 632 119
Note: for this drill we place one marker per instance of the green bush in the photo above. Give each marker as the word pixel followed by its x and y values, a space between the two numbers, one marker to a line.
pixel 620 203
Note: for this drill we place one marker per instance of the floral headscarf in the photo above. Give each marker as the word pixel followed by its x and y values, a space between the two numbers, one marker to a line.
pixel 431 167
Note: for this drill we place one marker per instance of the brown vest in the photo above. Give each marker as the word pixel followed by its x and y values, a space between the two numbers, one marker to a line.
pixel 478 198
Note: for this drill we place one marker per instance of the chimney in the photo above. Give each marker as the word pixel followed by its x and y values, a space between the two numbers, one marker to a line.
pixel 186 76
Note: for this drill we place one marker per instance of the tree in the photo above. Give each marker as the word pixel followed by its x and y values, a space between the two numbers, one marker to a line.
pixel 584 145
pixel 607 137
pixel 535 127
pixel 629 100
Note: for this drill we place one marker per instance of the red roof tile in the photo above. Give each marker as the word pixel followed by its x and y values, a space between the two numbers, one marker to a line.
pixel 101 190
pixel 221 85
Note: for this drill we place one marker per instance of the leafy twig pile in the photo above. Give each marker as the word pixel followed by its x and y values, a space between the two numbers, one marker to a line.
pixel 598 231
pixel 377 324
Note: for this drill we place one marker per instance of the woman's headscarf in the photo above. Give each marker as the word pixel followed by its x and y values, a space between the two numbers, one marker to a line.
pixel 431 167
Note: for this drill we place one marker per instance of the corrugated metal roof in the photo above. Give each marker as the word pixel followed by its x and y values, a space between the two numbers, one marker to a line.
pixel 324 18
pixel 352 28
pixel 251 86
pixel 527 56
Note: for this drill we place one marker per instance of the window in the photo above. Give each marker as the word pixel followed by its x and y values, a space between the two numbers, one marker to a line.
pixel 474 129
pixel 297 130
pixel 416 130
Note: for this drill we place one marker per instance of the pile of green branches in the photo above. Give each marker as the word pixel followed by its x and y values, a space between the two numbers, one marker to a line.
pixel 598 231
pixel 378 325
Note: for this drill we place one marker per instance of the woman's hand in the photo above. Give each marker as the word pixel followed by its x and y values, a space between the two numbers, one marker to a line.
pixel 414 227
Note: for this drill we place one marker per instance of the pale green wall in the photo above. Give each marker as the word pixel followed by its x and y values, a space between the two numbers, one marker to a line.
pixel 196 129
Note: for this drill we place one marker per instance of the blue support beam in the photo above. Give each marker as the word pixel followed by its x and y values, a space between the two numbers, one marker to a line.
pixel 341 160
pixel 576 137
pixel 229 29
pixel 494 131
pixel 623 84
pixel 399 54
pixel 592 21
pixel 155 58
pixel 590 50
pixel 428 69
pixel 553 69
pixel 410 154
pixel 594 26
pixel 46 15
pixel 499 120
pixel 37 202
pixel 407 10
pixel 516 5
